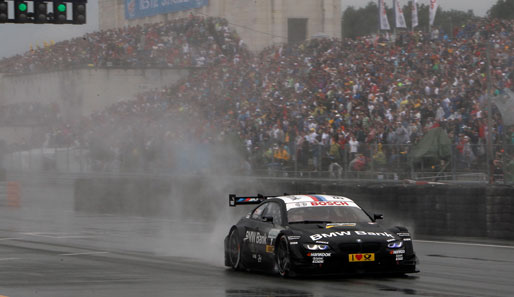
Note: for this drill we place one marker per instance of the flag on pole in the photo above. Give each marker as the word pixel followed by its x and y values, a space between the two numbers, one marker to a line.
pixel 433 10
pixel 382 15
pixel 398 12
pixel 415 21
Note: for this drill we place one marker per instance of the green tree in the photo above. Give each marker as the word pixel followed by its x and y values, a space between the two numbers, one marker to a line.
pixel 449 20
pixel 359 22
pixel 503 9
pixel 364 21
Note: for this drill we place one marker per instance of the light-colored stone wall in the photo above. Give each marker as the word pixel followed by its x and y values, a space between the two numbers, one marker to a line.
pixel 83 91
pixel 260 23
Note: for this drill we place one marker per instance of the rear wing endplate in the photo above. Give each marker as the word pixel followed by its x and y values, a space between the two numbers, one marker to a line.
pixel 234 200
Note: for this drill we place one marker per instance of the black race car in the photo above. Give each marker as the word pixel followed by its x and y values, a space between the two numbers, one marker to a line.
pixel 315 234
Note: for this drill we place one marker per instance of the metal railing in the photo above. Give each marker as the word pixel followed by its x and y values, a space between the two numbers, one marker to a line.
pixel 391 162
pixel 384 162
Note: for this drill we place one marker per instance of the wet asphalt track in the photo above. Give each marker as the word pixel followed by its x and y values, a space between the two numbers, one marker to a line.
pixel 52 251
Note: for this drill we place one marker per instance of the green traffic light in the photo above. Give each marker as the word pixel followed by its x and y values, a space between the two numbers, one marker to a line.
pixel 22 7
pixel 61 7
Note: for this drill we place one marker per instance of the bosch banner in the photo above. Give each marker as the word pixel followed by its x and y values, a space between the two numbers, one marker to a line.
pixel 135 9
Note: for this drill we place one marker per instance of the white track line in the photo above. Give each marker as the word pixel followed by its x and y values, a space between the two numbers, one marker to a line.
pixel 8 259
pixel 468 244
pixel 56 235
pixel 78 254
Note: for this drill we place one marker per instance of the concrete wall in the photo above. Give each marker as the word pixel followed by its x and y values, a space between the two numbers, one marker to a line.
pixel 16 134
pixel 427 210
pixel 83 91
pixel 259 23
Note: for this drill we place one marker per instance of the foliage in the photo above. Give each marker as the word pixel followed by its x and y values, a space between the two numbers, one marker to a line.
pixel 364 21
pixel 359 22
pixel 503 9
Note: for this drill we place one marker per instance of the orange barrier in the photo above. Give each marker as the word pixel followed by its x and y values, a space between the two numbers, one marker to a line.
pixel 13 194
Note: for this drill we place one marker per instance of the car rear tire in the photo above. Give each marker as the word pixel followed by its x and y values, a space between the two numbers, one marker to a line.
pixel 234 250
pixel 283 258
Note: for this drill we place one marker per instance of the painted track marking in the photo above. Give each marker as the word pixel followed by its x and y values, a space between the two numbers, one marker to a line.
pixel 467 244
pixel 56 235
pixel 79 254
pixel 8 259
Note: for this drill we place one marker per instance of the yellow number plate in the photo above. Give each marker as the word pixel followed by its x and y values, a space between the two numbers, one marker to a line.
pixel 361 257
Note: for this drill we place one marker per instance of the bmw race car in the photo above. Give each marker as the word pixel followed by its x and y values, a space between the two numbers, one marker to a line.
pixel 315 234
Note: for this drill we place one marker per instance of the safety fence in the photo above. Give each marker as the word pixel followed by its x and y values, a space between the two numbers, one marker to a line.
pixel 461 162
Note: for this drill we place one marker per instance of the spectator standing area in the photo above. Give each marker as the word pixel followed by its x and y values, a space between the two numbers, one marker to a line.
pixel 351 106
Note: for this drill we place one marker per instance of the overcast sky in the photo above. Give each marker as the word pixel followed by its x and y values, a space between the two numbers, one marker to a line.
pixel 18 38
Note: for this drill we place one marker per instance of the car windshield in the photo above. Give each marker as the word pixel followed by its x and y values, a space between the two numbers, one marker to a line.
pixel 327 214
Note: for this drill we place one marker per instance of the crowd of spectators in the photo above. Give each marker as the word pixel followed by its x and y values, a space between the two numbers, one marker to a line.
pixel 187 42
pixel 322 104
pixel 327 101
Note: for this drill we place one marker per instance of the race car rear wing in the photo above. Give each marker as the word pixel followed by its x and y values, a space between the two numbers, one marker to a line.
pixel 234 200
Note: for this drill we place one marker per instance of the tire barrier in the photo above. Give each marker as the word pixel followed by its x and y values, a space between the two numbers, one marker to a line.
pixel 449 210
pixel 10 194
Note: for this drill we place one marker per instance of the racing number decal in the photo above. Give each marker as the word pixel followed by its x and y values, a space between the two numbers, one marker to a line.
pixel 361 257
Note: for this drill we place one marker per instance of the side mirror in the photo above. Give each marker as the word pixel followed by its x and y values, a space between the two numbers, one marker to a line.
pixel 378 216
pixel 267 219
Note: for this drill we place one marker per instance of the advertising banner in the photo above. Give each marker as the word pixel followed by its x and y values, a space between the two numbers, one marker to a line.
pixel 135 9
pixel 432 11
pixel 398 14
pixel 382 16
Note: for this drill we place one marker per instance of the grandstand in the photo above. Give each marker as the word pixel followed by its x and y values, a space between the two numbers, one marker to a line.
pixel 346 108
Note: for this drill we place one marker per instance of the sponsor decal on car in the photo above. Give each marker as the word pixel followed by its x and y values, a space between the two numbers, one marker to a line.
pixel 403 234
pixel 340 198
pixel 399 257
pixel 293 237
pixel 315 237
pixel 273 233
pixel 319 254
pixel 293 242
pixel 320 203
pixel 322 242
pixel 318 260
pixel 240 200
pixel 257 257
pixel 255 237
pixel 270 249
pixel 296 205
pixel 330 203
pixel 332 225
pixel 397 252
pixel 369 257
